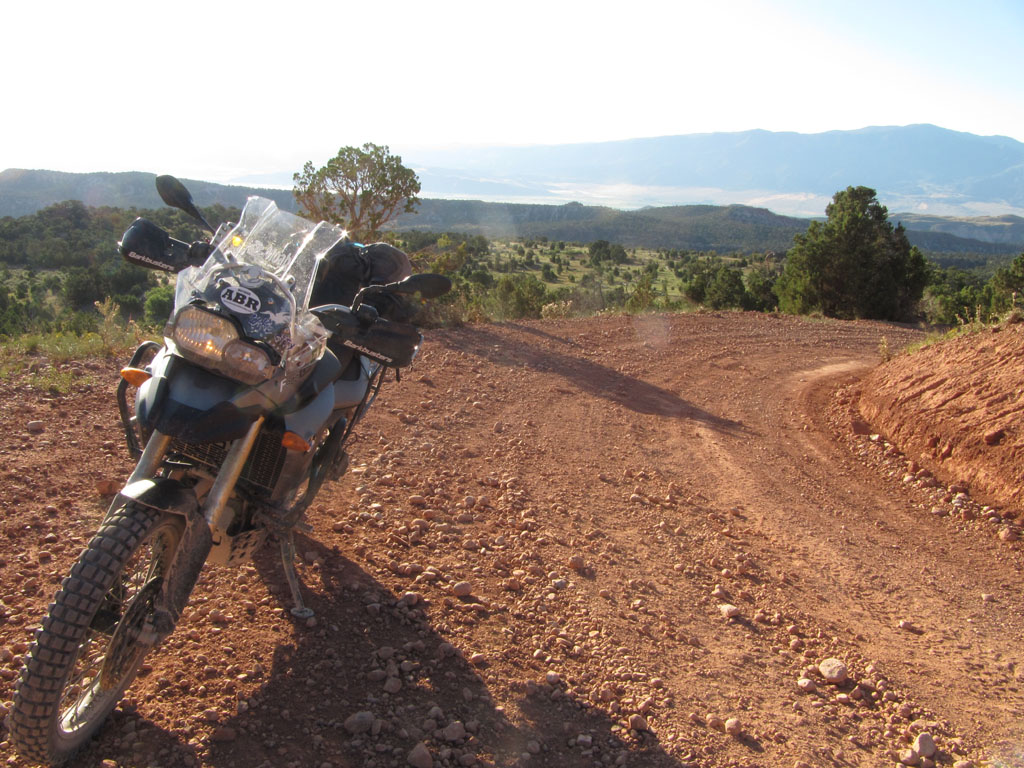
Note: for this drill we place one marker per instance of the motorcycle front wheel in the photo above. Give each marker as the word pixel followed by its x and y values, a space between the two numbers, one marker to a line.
pixel 95 635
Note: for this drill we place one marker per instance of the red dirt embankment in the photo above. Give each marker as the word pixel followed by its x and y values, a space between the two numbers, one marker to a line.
pixel 958 406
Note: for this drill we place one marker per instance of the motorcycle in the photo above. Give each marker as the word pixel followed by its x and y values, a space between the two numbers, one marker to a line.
pixel 239 417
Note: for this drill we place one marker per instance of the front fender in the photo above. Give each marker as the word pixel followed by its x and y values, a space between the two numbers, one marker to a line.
pixel 168 495
pixel 161 493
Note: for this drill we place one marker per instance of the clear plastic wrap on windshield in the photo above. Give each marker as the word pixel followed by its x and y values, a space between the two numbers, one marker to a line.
pixel 271 256
pixel 308 345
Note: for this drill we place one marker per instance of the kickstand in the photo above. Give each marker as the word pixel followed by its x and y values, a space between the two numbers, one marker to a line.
pixel 299 609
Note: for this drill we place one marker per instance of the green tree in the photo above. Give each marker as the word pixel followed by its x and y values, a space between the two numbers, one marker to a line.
pixel 82 288
pixel 642 298
pixel 520 296
pixel 1007 286
pixel 617 254
pixel 697 275
pixel 726 290
pixel 602 250
pixel 953 295
pixel 450 261
pixel 855 264
pixel 158 304
pixel 759 281
pixel 598 251
pixel 481 277
pixel 360 188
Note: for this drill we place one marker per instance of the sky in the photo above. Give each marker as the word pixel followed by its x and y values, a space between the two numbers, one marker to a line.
pixel 222 90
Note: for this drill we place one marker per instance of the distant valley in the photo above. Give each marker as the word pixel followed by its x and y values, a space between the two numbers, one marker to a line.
pixel 922 169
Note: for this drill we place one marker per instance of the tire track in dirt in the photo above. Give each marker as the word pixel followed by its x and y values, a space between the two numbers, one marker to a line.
pixel 862 559
pixel 897 564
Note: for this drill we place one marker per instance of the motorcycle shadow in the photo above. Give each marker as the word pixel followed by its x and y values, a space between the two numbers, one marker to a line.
pixel 378 681
pixel 565 358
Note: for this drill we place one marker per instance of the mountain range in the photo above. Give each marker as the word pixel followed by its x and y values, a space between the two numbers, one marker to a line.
pixel 922 169
pixel 26 191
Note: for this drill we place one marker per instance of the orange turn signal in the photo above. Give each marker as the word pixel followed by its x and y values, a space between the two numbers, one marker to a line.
pixel 294 442
pixel 135 376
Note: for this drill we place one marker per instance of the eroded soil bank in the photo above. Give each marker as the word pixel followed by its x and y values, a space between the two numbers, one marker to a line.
pixel 959 406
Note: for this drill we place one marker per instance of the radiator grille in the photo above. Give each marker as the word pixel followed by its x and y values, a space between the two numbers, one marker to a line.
pixel 263 468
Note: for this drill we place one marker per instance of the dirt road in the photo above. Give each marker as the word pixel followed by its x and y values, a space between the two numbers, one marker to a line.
pixel 612 541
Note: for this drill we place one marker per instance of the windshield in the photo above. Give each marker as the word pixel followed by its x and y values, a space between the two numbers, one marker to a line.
pixel 280 243
pixel 262 272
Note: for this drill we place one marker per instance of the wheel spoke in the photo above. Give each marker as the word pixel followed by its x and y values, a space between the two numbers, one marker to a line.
pixel 86 677
pixel 86 668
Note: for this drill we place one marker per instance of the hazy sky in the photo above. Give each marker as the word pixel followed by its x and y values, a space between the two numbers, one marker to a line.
pixel 219 90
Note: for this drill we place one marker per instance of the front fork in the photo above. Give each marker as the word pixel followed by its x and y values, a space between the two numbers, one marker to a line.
pixel 218 513
pixel 203 527
pixel 215 510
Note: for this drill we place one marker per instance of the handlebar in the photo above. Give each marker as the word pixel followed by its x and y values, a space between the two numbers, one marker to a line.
pixel 147 245
pixel 377 324
pixel 363 330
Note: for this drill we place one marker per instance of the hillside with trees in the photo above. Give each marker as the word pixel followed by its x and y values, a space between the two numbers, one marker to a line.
pixel 1003 230
pixel 56 264
pixel 966 242
pixel 23 192
pixel 509 261
pixel 694 227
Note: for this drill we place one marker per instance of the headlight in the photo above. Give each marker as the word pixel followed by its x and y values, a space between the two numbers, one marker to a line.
pixel 247 362
pixel 212 341
pixel 203 334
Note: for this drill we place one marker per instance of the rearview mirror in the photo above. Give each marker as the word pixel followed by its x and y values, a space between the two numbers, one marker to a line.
pixel 176 195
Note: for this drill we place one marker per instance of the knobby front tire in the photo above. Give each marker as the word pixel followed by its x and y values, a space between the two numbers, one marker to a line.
pixel 87 652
